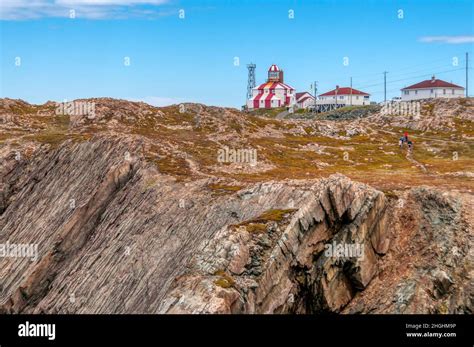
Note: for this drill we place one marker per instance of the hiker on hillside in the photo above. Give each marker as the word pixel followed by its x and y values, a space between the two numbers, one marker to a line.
pixel 401 141
pixel 405 135
pixel 410 146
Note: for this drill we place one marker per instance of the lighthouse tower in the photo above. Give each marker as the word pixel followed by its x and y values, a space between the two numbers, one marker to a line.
pixel 273 93
pixel 275 74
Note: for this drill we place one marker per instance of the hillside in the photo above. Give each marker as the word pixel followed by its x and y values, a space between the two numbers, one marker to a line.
pixel 134 212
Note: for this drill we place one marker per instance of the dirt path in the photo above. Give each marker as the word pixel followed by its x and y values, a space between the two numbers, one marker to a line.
pixel 409 155
pixel 416 163
pixel 282 115
pixel 418 137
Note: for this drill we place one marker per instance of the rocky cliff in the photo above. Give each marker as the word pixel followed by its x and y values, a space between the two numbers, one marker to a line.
pixel 132 213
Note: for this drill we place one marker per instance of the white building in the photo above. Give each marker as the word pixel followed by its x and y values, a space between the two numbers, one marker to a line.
pixel 304 100
pixel 433 88
pixel 344 96
pixel 273 93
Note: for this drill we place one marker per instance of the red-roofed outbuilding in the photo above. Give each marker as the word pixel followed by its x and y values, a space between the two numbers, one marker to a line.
pixel 345 96
pixel 432 88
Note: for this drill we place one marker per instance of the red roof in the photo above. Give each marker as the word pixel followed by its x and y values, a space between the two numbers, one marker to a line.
pixel 305 98
pixel 274 85
pixel 432 83
pixel 274 68
pixel 299 95
pixel 344 91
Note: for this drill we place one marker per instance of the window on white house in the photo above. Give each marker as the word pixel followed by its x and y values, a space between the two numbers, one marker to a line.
pixel 416 91
pixel 341 97
pixel 444 91
pixel 431 91
pixel 357 98
pixel 452 91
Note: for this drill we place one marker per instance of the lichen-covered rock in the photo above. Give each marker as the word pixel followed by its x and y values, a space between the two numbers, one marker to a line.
pixel 294 262
pixel 429 265
pixel 131 213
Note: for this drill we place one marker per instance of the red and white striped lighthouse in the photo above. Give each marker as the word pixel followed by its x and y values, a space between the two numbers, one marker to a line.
pixel 273 93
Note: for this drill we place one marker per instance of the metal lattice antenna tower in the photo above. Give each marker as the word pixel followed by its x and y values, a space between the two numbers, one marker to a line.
pixel 251 81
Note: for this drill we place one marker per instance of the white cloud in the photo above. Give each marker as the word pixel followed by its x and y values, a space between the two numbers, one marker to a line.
pixel 89 9
pixel 448 39
pixel 109 2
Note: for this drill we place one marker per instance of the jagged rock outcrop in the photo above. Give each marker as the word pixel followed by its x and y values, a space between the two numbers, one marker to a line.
pixel 132 230
pixel 430 266
pixel 430 114
pixel 131 212
pixel 283 267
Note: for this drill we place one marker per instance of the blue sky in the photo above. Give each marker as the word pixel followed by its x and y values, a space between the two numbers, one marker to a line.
pixel 175 59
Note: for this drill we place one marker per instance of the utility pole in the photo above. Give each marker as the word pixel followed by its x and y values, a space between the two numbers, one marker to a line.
pixel 315 95
pixel 315 89
pixel 467 68
pixel 385 86
pixel 351 91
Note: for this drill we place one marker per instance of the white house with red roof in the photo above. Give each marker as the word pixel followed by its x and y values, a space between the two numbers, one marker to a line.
pixel 433 88
pixel 344 96
pixel 273 93
pixel 304 100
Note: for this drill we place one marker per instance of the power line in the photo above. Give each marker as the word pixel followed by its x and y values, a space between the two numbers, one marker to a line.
pixel 412 66
pixel 426 67
pixel 409 78
pixel 423 64
pixel 397 74
pixel 373 81
pixel 429 74
pixel 363 75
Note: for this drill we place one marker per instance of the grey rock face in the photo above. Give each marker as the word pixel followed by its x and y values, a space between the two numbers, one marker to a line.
pixel 116 236
pixel 130 212
pixel 296 272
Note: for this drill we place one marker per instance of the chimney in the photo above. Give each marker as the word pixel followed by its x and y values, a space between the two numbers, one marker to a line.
pixel 433 79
